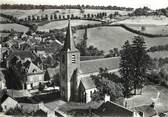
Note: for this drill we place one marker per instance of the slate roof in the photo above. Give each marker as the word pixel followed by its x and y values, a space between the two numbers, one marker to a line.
pixel 22 55
pixel 113 110
pixel 53 71
pixel 147 109
pixel 33 67
pixel 88 83
pixel 18 93
pixel 91 66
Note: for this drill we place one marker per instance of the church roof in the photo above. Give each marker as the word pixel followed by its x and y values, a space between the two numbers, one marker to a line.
pixel 69 41
pixel 92 66
pixel 88 83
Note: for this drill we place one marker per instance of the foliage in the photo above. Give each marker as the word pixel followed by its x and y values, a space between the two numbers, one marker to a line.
pixel 158 48
pixel 107 83
pixel 41 86
pixel 43 7
pixel 14 111
pixel 134 63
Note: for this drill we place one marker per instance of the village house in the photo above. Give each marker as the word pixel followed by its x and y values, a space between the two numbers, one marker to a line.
pixel 75 74
pixel 9 103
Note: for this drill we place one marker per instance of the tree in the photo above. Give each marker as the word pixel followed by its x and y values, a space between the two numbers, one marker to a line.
pixel 107 83
pixel 133 65
pixel 140 61
pixel 126 68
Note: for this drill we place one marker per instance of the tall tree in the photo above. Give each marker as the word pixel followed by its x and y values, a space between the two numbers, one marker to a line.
pixel 140 61
pixel 126 68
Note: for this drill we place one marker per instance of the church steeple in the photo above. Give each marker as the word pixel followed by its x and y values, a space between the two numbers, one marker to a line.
pixel 69 41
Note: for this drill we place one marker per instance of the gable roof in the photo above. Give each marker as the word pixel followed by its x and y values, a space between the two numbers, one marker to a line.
pixel 88 83
pixel 92 66
pixel 53 71
pixel 113 110
pixel 33 69
pixel 22 55
pixel 9 101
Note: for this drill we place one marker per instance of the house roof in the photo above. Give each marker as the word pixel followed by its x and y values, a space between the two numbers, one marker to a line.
pixel 147 109
pixel 91 66
pixel 22 55
pixel 113 110
pixel 32 68
pixel 53 71
pixel 40 113
pixel 88 83
pixel 18 93
pixel 9 101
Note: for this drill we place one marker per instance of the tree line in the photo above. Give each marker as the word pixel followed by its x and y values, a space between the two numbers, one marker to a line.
pixel 145 11
pixel 30 6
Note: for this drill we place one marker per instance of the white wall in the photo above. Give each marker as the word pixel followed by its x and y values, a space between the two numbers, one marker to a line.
pixel 88 94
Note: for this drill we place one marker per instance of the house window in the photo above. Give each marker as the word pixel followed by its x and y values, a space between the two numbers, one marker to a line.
pixel 73 59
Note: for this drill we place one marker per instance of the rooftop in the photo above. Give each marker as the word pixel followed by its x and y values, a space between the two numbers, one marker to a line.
pixel 88 83
pixel 22 55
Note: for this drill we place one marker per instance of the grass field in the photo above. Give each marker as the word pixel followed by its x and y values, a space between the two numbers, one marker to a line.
pixel 158 54
pixel 24 13
pixel 145 99
pixel 16 27
pixel 143 20
pixel 150 29
pixel 64 23
pixel 106 38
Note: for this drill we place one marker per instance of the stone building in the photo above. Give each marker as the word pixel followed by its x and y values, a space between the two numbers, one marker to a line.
pixel 75 74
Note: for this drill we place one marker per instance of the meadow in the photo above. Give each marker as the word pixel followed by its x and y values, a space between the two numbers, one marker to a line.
pixel 64 23
pixel 106 38
pixel 16 27
pixel 146 20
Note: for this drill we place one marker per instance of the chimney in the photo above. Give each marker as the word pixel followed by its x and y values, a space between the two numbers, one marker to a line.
pixel 106 98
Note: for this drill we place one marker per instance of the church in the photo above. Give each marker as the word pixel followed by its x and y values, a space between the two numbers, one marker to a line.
pixel 75 81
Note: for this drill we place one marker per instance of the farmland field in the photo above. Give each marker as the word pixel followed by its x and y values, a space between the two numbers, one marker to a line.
pixel 151 29
pixel 158 54
pixel 63 24
pixel 149 20
pixel 16 27
pixel 106 38
pixel 38 12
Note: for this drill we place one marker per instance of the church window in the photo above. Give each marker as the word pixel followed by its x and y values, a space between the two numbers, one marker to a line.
pixel 63 59
pixel 91 93
pixel 73 59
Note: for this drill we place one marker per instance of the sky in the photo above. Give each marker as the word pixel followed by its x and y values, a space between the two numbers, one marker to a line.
pixel 153 4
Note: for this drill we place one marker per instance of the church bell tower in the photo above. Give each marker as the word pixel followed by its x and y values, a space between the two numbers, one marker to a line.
pixel 69 64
